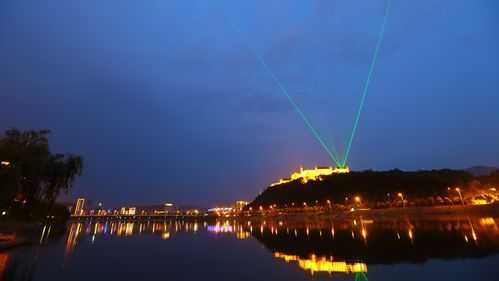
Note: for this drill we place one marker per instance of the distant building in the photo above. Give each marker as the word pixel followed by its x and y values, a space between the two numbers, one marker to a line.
pixel 128 211
pixel 239 205
pixel 313 174
pixel 80 207
pixel 221 211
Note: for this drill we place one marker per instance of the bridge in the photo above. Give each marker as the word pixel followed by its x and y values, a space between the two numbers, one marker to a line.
pixel 138 217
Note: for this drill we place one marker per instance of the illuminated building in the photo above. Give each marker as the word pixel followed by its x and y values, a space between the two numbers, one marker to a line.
pixel 192 212
pixel 221 211
pixel 315 264
pixel 5 163
pixel 313 174
pixel 238 207
pixel 128 211
pixel 80 205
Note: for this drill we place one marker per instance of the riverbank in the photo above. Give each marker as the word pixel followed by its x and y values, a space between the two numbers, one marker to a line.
pixel 491 210
pixel 437 212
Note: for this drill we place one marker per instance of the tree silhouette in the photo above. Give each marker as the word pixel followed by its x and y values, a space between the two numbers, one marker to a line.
pixel 30 173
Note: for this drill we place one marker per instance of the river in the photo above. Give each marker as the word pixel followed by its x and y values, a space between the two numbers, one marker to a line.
pixel 450 248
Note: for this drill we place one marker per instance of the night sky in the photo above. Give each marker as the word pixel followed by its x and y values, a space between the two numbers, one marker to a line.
pixel 166 101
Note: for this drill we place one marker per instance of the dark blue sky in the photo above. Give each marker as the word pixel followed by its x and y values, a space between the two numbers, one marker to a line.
pixel 166 102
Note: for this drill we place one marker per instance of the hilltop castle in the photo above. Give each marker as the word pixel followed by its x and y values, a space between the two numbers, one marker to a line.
pixel 313 174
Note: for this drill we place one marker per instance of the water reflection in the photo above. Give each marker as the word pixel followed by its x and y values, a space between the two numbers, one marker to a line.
pixel 347 247
pixel 330 246
pixel 323 264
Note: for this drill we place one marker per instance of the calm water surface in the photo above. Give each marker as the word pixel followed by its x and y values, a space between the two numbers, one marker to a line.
pixel 439 249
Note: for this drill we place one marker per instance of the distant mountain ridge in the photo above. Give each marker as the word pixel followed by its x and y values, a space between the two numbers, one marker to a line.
pixel 478 171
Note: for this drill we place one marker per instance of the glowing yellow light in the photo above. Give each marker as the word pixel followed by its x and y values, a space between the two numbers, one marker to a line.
pixel 480 201
pixel 5 163
pixel 322 264
pixel 165 235
pixel 487 221
pixel 357 199
pixel 473 234
pixel 305 175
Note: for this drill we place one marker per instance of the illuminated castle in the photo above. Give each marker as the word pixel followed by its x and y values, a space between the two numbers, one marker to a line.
pixel 313 174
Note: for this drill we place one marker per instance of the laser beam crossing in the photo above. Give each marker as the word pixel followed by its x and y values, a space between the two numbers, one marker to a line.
pixel 367 83
pixel 331 152
pixel 295 106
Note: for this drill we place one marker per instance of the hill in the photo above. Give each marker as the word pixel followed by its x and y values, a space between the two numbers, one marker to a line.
pixel 481 170
pixel 368 186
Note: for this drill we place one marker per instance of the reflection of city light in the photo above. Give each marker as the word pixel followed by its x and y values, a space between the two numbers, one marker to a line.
pixel 242 235
pixel 487 221
pixel 74 231
pixel 322 264
pixel 220 228
pixel 165 235
pixel 473 234
pixel 4 258
pixel 129 229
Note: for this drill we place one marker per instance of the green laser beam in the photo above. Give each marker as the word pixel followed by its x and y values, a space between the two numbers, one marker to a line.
pixel 295 106
pixel 300 112
pixel 361 276
pixel 366 85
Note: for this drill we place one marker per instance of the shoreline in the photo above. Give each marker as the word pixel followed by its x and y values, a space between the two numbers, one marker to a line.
pixel 434 213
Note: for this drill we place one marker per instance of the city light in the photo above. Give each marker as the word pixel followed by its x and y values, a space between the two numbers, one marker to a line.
pixel 460 195
pixel 402 198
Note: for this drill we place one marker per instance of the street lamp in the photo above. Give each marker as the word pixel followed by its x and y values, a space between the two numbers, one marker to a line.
pixel 460 195
pixel 402 198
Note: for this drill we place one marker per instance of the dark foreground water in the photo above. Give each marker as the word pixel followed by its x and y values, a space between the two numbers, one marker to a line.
pixel 439 249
